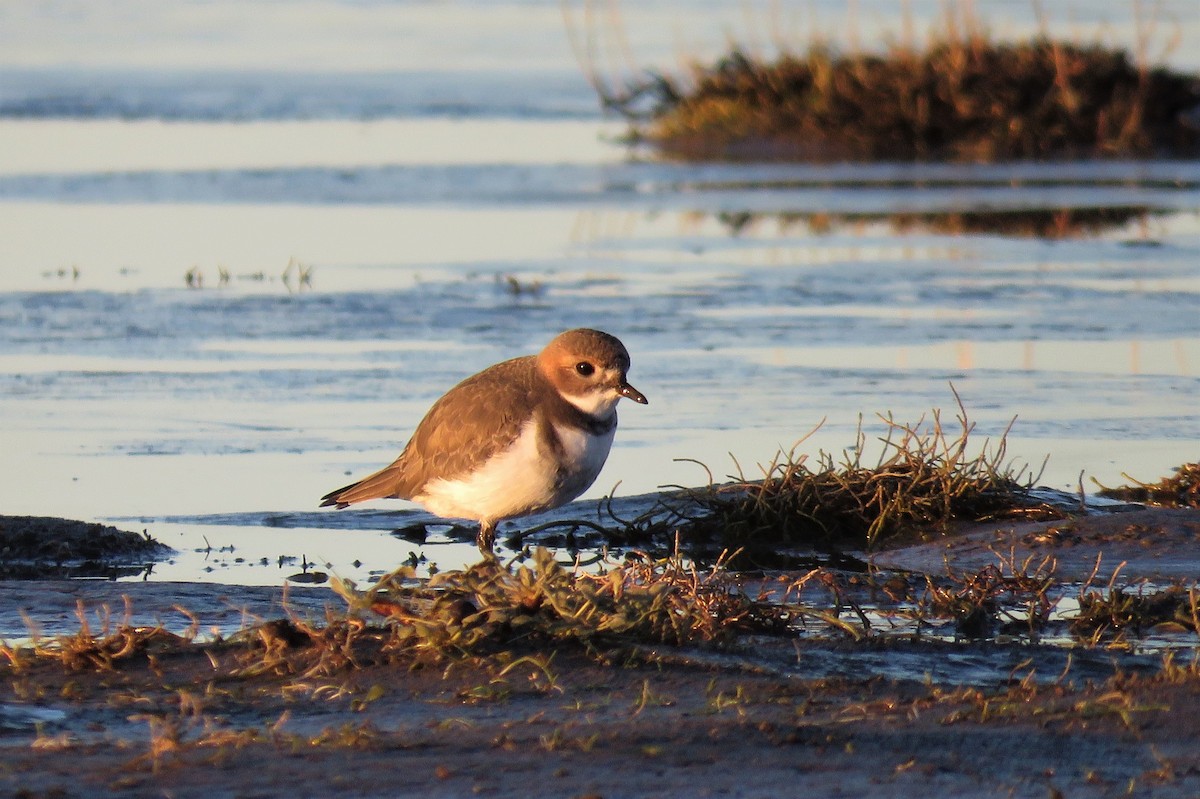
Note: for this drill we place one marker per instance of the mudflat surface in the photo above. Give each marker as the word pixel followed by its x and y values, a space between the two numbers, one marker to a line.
pixel 632 727
pixel 1153 543
pixel 265 713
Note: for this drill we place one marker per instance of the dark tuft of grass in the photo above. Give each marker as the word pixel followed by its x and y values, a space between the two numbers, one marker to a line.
pixel 1182 490
pixel 963 98
pixel 115 642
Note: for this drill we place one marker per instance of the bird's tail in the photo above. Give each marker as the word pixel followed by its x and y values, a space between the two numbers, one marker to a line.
pixel 384 483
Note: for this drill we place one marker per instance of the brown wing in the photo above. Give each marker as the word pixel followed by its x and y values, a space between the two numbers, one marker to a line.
pixel 477 418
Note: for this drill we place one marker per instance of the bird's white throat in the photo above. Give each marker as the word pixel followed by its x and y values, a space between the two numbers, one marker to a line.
pixel 598 404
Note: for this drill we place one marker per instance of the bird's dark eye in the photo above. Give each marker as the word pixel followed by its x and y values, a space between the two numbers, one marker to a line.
pixel 584 368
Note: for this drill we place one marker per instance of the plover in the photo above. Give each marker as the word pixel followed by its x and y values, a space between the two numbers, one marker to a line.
pixel 523 436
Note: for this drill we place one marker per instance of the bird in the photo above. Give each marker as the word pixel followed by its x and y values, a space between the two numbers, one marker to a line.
pixel 525 435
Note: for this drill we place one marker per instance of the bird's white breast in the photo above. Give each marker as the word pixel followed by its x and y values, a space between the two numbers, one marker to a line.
pixel 530 475
pixel 584 455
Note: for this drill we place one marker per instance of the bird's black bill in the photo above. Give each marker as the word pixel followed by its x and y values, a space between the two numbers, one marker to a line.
pixel 632 393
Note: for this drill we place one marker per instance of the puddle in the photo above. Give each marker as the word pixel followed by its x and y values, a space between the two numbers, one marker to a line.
pixel 17 718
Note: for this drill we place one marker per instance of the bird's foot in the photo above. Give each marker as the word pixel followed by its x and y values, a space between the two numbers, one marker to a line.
pixel 486 540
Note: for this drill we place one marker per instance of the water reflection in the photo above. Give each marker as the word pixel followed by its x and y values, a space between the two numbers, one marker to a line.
pixel 1043 223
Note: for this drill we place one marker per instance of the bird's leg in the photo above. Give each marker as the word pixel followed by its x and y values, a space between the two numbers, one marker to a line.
pixel 487 537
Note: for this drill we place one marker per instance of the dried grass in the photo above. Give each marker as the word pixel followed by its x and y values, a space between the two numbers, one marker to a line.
pixel 979 601
pixel 925 479
pixel 962 98
pixel 1179 491
pixel 489 607
pixel 1118 614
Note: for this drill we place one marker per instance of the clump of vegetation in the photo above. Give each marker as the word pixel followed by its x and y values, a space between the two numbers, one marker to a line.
pixel 488 606
pixel 1010 596
pixel 925 479
pixel 490 614
pixel 1117 614
pixel 962 98
pixel 500 618
pixel 1181 490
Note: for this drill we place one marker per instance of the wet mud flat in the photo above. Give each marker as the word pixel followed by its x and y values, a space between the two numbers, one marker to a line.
pixel 302 702
pixel 637 726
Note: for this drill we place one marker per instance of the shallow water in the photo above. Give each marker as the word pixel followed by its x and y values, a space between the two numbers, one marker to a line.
pixel 756 300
